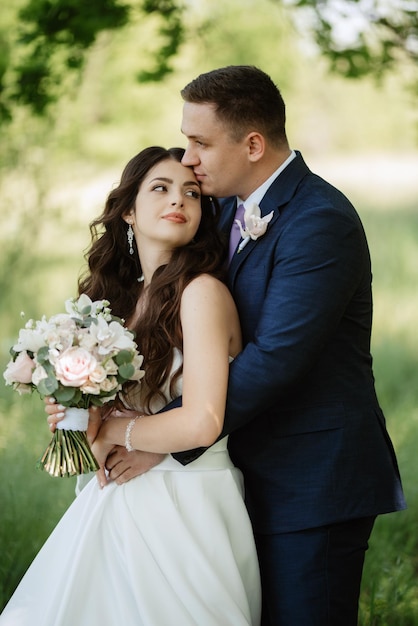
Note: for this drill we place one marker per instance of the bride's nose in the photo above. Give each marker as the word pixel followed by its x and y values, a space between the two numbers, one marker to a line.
pixel 177 200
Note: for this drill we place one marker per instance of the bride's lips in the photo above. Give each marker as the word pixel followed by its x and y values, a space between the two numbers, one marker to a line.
pixel 175 217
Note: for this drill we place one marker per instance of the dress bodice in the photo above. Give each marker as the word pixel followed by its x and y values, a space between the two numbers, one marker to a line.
pixel 132 399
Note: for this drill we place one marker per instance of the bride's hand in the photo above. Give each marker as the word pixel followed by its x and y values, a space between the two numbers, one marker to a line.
pixel 56 412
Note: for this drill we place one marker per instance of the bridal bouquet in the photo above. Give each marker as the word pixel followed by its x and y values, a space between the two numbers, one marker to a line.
pixel 81 358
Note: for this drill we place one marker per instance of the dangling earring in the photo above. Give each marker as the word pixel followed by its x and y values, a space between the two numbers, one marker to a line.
pixel 130 235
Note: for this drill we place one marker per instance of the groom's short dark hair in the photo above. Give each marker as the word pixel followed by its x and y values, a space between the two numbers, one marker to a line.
pixel 246 99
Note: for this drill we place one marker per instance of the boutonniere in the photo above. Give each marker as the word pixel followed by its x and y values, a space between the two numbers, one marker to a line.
pixel 255 225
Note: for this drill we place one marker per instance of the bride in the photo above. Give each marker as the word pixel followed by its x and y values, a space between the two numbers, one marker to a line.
pixel 173 546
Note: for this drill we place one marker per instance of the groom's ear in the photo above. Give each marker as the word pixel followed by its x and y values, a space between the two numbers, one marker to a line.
pixel 256 145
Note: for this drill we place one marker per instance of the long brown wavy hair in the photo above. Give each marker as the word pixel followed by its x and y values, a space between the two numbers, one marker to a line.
pixel 113 273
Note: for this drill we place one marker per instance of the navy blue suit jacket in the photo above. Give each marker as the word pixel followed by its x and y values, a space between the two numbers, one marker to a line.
pixel 304 423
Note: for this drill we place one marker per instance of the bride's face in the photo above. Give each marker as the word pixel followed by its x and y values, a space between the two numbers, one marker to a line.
pixel 167 207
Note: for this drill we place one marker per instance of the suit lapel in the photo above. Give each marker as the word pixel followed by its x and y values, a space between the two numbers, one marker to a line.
pixel 277 196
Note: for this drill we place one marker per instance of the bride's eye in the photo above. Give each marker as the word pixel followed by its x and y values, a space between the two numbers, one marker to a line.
pixel 159 188
pixel 193 193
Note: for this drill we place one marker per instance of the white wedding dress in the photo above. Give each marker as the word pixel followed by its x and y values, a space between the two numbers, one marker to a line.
pixel 173 547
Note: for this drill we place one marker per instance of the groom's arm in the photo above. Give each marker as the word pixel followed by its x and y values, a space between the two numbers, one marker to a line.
pixel 316 271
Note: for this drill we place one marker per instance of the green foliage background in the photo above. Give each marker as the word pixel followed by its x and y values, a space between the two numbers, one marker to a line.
pixel 56 171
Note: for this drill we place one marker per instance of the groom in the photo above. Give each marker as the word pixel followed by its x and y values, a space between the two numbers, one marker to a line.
pixel 305 425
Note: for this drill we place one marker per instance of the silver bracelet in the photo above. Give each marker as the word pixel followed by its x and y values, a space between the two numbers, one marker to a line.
pixel 128 433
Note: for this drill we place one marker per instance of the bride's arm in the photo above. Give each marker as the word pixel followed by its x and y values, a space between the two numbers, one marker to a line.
pixel 207 316
pixel 209 322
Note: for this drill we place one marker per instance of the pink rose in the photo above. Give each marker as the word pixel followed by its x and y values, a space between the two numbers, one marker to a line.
pixel 74 366
pixel 20 370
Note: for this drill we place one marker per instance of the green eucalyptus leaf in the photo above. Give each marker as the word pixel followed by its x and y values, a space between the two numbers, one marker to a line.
pixel 96 400
pixel 49 369
pixel 126 370
pixel 64 395
pixel 47 386
pixel 124 356
pixel 43 355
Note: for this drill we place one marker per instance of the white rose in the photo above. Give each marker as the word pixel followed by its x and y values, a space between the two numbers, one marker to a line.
pixel 110 384
pixel 91 388
pixel 110 367
pixel 98 375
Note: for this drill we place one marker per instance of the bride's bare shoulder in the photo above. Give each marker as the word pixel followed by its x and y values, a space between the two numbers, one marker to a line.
pixel 208 303
pixel 208 285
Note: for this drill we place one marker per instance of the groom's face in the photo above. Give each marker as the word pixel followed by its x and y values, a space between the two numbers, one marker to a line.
pixel 219 162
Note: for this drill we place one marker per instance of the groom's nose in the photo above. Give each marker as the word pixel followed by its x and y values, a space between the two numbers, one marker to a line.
pixel 190 157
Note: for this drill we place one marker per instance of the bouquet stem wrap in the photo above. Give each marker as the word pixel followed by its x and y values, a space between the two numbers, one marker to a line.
pixel 69 453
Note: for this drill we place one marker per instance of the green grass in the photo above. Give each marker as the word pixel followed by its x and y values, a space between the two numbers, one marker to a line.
pixel 32 502
pixel 389 591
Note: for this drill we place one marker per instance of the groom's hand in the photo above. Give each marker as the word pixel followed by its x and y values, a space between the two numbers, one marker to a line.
pixel 123 465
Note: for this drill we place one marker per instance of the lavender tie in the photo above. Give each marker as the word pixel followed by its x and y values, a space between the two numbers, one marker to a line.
pixel 235 234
